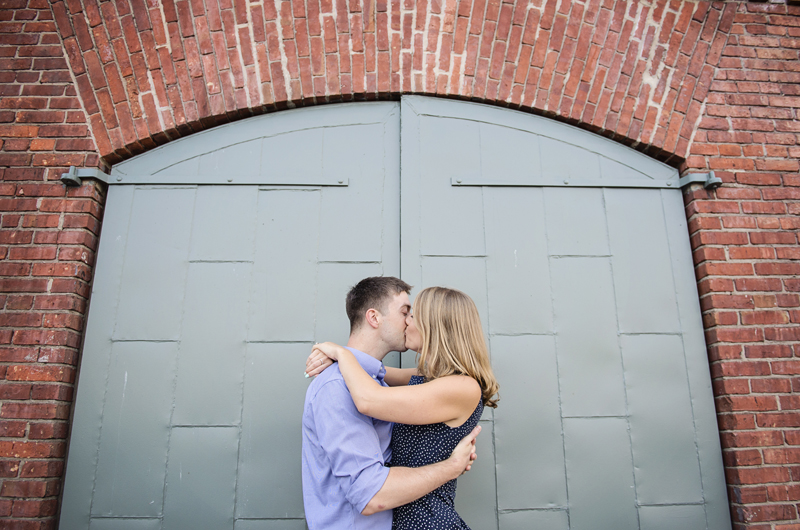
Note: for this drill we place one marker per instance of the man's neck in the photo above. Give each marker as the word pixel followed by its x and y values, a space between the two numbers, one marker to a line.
pixel 370 345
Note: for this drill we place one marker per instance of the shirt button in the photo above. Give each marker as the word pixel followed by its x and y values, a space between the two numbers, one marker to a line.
pixel 374 377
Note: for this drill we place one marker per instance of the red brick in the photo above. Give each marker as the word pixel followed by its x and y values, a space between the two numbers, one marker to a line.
pixel 792 437
pixel 752 439
pixel 783 493
pixel 770 386
pixel 764 317
pixel 768 513
pixel 749 495
pixel 717 285
pixel 34 411
pixel 783 334
pixel 763 208
pixel 15 391
pixel 773 238
pixel 746 403
pixel 725 269
pixel 762 351
pixel 746 457
pixel 22 488
pixel 772 420
pixel 23 285
pixel 9 469
pixel 788 300
pixel 748 368
pixel 736 421
pixel 785 269
pixel 42 469
pixel 35 508
pixel 39 373
pixel 786 367
pixel 762 475
pixel 52 392
pixel 12 429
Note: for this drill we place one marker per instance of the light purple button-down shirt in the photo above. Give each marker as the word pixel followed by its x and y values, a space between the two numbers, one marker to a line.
pixel 343 453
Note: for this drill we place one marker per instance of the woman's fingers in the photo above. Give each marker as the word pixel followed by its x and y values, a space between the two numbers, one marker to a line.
pixel 316 362
pixel 318 368
pixel 315 357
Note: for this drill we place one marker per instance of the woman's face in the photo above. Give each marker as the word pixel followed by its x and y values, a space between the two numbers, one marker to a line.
pixel 413 339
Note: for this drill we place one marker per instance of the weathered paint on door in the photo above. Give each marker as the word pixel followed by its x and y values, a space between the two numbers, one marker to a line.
pixel 588 299
pixel 225 255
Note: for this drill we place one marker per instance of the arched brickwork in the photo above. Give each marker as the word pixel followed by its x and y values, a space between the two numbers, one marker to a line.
pixel 700 85
pixel 148 72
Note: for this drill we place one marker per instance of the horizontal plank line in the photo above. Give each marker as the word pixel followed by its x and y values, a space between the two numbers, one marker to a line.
pixel 310 341
pixel 547 334
pixel 270 518
pixel 666 504
pixel 635 333
pixel 125 517
pixel 452 255
pixel 559 256
pixel 595 417
pixel 225 426
pixel 220 261
pixel 350 262
pixel 175 341
pixel 517 510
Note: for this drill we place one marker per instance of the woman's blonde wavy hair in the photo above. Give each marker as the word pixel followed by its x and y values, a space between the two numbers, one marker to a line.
pixel 452 339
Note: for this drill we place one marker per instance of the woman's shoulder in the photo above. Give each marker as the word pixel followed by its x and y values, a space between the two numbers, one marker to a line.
pixel 462 385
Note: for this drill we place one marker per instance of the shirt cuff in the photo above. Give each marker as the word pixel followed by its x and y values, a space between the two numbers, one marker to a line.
pixel 366 485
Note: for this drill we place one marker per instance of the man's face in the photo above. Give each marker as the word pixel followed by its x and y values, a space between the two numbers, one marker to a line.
pixel 393 325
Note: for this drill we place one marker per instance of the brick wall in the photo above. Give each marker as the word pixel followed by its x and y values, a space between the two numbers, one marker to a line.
pixel 699 85
pixel 746 250
pixel 47 242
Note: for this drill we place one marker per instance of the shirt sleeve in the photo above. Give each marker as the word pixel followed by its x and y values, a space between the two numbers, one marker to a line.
pixel 351 444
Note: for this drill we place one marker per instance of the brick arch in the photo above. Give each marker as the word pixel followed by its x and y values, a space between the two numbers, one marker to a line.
pixel 148 72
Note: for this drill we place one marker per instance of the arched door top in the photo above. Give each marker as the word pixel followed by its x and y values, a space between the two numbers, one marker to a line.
pixel 521 150
pixel 295 147
pixel 504 147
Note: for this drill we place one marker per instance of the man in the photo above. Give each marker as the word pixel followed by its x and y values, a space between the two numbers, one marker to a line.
pixel 345 482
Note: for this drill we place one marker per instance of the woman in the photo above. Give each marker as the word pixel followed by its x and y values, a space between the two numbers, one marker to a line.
pixel 434 405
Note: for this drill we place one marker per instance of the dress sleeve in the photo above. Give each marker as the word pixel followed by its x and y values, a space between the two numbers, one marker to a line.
pixel 351 444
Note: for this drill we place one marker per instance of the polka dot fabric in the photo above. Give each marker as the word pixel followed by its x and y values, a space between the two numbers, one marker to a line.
pixel 420 445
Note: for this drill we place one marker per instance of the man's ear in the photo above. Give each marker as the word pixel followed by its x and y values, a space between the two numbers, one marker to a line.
pixel 373 318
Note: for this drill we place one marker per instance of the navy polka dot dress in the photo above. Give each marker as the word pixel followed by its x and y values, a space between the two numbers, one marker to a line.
pixel 420 445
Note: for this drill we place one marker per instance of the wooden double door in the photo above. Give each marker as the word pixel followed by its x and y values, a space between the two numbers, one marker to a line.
pixel 226 254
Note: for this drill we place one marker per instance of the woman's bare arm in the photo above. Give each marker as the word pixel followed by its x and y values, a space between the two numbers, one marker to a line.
pixel 399 376
pixel 441 400
pixel 318 362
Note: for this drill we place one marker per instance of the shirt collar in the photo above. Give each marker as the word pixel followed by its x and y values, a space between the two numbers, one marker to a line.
pixel 370 364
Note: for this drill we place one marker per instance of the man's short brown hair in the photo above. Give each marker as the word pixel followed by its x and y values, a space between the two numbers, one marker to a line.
pixel 372 293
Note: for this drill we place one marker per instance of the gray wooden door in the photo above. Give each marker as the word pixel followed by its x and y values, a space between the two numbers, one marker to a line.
pixel 223 257
pixel 576 252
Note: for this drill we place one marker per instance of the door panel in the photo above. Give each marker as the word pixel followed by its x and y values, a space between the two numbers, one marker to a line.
pixel 600 482
pixel 287 225
pixel 265 407
pixel 227 255
pixel 531 478
pixel 576 252
pixel 641 253
pixel 146 373
pixel 518 275
pixel 212 345
pixel 158 272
